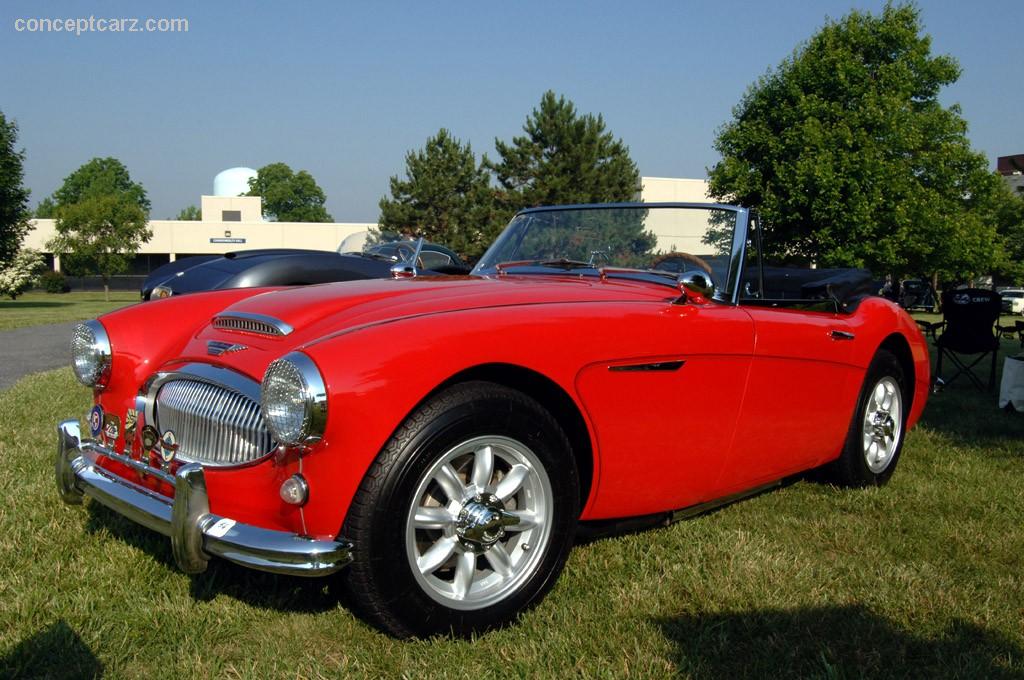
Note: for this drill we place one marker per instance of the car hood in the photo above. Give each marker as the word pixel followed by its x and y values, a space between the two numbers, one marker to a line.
pixel 318 311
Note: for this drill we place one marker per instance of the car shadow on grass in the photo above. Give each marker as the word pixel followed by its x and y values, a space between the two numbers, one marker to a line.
pixel 833 642
pixel 256 588
pixel 55 652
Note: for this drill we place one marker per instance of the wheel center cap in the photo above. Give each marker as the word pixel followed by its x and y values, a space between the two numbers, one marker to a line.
pixel 884 425
pixel 482 522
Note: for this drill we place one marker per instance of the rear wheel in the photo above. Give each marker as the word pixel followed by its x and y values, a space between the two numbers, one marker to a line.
pixel 875 439
pixel 466 517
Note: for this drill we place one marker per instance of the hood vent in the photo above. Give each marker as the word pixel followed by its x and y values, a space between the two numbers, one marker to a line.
pixel 259 324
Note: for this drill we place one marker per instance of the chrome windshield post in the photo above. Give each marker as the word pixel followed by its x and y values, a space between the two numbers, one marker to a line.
pixel 406 269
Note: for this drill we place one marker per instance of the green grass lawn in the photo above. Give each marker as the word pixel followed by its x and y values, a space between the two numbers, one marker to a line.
pixel 36 308
pixel 921 579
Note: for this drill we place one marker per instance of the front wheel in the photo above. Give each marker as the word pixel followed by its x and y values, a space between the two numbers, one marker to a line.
pixel 466 517
pixel 875 439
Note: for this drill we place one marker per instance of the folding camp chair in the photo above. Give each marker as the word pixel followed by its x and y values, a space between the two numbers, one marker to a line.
pixel 968 328
pixel 1008 332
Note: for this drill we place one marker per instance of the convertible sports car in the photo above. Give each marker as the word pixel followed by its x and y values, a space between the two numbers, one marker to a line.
pixel 292 267
pixel 436 440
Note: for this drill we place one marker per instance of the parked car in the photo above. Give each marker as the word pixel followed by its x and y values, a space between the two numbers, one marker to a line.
pixel 1013 300
pixel 291 267
pixel 917 295
pixel 436 440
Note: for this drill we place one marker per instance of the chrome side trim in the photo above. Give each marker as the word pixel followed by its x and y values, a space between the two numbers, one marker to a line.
pixel 654 366
pixel 196 533
pixel 247 322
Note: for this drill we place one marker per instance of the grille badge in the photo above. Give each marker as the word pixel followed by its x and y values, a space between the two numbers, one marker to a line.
pixel 168 446
pixel 216 347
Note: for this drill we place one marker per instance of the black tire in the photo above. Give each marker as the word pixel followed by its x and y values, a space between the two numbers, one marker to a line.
pixel 854 467
pixel 381 583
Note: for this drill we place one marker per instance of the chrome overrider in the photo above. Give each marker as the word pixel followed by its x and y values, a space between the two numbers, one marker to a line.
pixel 196 534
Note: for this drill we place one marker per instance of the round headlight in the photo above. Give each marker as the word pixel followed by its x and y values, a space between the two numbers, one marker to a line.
pixel 90 354
pixel 294 400
pixel 161 292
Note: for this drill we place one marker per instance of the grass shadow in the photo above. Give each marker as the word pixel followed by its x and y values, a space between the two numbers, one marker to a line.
pixel 14 304
pixel 834 642
pixel 56 652
pixel 972 417
pixel 259 589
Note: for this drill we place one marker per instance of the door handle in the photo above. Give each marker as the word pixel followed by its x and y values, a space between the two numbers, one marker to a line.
pixel 841 335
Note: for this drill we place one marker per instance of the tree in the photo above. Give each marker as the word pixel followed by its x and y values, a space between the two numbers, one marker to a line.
pixel 46 209
pixel 289 196
pixel 446 197
pixel 100 233
pixel 190 213
pixel 1010 266
pixel 20 273
pixel 851 160
pixel 99 177
pixel 563 158
pixel 14 212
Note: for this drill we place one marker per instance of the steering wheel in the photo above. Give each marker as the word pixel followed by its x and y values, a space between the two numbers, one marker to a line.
pixel 680 262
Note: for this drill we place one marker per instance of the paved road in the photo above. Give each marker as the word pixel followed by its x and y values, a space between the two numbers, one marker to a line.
pixel 33 349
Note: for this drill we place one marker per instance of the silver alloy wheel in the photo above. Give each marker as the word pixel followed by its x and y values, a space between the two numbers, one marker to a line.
pixel 883 423
pixel 479 522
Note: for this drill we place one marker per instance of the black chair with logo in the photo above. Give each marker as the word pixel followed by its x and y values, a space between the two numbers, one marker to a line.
pixel 968 329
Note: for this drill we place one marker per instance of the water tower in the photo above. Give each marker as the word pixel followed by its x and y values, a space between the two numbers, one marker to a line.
pixel 229 202
pixel 233 181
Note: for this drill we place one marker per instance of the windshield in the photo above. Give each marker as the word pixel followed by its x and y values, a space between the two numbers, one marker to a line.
pixel 1013 293
pixel 656 238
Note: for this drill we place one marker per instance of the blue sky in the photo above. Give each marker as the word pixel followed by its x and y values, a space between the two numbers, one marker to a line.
pixel 344 90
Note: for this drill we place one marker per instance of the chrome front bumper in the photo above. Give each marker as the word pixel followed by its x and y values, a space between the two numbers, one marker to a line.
pixel 196 534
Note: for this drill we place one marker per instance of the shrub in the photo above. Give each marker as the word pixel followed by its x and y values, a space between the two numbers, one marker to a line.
pixel 55 282
pixel 20 273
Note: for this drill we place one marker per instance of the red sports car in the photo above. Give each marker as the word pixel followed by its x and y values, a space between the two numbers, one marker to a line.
pixel 437 440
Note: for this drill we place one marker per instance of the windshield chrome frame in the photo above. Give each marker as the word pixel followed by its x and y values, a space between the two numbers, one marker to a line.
pixel 737 257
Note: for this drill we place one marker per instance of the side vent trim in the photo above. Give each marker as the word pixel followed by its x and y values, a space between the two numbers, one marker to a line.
pixel 244 322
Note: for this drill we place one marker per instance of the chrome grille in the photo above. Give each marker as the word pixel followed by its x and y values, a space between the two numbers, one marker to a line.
pixel 214 425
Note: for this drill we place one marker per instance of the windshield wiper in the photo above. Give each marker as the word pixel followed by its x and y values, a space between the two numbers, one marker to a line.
pixel 561 263
pixel 660 275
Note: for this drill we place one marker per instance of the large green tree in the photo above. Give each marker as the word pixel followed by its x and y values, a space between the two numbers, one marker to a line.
pixel 102 217
pixel 445 197
pixel 563 157
pixel 99 177
pixel 851 159
pixel 14 211
pixel 289 196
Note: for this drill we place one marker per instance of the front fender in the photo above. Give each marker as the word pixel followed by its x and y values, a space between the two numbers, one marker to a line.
pixel 377 376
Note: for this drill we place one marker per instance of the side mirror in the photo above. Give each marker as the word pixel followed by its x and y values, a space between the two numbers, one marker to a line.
pixel 696 285
pixel 406 269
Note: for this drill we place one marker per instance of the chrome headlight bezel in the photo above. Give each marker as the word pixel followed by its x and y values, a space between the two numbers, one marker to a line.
pixel 293 400
pixel 161 293
pixel 91 354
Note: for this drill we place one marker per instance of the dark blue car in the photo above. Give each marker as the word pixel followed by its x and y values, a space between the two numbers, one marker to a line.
pixel 292 267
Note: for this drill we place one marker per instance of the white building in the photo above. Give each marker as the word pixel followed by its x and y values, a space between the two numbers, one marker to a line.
pixel 229 222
